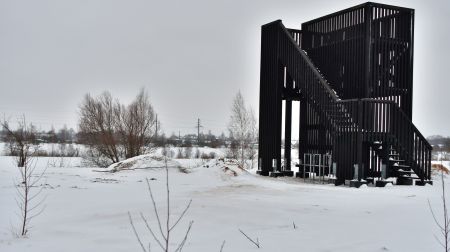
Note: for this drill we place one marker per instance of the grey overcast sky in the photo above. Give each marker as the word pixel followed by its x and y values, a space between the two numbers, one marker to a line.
pixel 191 56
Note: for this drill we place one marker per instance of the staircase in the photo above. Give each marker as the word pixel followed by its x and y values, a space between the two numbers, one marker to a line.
pixel 368 120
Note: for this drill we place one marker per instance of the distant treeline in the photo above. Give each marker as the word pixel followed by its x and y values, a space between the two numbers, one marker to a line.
pixel 439 143
pixel 70 136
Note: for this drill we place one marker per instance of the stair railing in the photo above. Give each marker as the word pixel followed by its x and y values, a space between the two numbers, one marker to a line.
pixel 381 118
pixel 310 80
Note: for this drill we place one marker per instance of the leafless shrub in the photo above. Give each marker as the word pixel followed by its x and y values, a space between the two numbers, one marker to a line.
pixel 113 131
pixel 440 168
pixel 168 152
pixel 41 153
pixel 137 125
pixel 163 239
pixel 21 142
pixel 180 153
pixel 256 243
pixel 188 152
pixel 207 156
pixel 28 200
pixel 97 125
pixel 58 150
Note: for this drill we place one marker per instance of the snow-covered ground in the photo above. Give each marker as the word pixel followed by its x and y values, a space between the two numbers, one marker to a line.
pixel 75 150
pixel 86 210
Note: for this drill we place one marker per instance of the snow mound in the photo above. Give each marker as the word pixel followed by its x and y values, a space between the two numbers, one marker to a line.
pixel 231 168
pixel 143 162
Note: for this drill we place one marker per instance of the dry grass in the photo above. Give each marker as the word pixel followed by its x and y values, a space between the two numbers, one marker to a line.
pixel 440 168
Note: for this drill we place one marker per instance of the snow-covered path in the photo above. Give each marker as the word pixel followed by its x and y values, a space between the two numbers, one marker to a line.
pixel 87 211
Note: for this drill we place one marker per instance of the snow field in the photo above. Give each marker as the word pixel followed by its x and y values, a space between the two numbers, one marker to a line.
pixel 86 210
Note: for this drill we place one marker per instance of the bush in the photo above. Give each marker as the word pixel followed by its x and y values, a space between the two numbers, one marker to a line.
pixel 113 131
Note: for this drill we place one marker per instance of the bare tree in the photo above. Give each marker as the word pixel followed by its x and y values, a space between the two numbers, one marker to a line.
pixel 164 237
pixel 21 141
pixel 28 200
pixel 22 144
pixel 444 228
pixel 233 150
pixel 251 151
pixel 98 119
pixel 113 131
pixel 137 125
pixel 243 130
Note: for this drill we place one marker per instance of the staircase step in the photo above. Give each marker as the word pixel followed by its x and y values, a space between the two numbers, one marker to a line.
pixel 396 160
pixel 408 177
pixel 402 171
pixel 400 166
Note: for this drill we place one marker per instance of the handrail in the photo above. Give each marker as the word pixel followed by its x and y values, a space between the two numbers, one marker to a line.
pixel 335 14
pixel 403 114
pixel 328 88
pixel 309 62
pixel 419 157
pixel 385 117
pixel 343 115
pixel 366 99
pixel 357 7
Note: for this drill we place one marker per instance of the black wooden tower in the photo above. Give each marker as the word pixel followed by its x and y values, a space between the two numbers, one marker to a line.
pixel 352 73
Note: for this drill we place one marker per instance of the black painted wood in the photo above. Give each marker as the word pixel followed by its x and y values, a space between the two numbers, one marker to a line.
pixel 355 99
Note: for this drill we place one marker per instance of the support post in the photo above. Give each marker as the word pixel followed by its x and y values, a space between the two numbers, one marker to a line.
pixel 287 135
pixel 302 145
pixel 359 136
pixel 270 103
pixel 368 49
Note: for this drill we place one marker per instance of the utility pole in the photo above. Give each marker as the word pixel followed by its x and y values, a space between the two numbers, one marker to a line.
pixel 198 131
